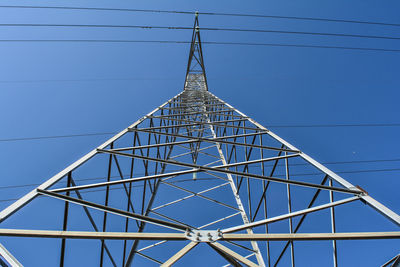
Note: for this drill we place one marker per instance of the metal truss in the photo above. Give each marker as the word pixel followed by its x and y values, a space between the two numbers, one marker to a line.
pixel 195 171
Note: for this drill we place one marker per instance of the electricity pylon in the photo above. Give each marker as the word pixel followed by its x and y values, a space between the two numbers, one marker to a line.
pixel 194 171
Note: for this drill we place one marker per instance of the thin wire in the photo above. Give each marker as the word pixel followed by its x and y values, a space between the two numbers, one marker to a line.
pixel 302 18
pixel 294 164
pixel 96 41
pixel 304 46
pixel 191 28
pixel 184 180
pixel 301 32
pixel 103 9
pixel 206 13
pixel 54 136
pixel 87 80
pixel 95 26
pixel 99 178
pixel 270 126
pixel 337 125
pixel 209 42
pixel 115 188
pixel 172 170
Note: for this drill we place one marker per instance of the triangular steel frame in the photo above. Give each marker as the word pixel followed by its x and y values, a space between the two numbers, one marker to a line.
pixel 211 147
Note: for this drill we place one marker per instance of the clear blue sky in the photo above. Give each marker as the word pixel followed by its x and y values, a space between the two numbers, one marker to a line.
pixel 72 88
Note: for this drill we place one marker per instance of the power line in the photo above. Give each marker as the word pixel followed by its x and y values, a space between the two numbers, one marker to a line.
pixel 54 136
pixel 296 164
pixel 115 188
pixel 103 9
pixel 338 125
pixel 95 26
pixel 88 179
pixel 127 79
pixel 293 175
pixel 95 41
pixel 88 80
pixel 293 164
pixel 209 42
pixel 302 18
pixel 301 32
pixel 270 126
pixel 207 13
pixel 305 46
pixel 191 28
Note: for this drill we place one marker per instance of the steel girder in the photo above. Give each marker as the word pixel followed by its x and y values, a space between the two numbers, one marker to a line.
pixel 196 170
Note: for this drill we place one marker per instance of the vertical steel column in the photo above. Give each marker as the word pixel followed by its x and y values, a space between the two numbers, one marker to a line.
pixel 333 224
pixel 66 205
pixel 254 244
pixel 289 208
pixel 129 197
pixel 132 251
pixel 106 204
pixel 264 202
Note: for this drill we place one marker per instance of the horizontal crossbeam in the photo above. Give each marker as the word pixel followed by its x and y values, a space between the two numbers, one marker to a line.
pixel 200 123
pixel 130 180
pixel 289 215
pixel 223 169
pixel 4 214
pixel 108 209
pixel 220 139
pixel 181 236
pixel 211 121
pixel 156 145
pixel 194 113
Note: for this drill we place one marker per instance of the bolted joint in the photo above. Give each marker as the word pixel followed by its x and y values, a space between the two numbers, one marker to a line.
pixel 188 233
pixel 363 192
pixel 220 235
pixel 203 235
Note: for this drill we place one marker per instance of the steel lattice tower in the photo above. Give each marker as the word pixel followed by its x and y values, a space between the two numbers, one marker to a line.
pixel 194 171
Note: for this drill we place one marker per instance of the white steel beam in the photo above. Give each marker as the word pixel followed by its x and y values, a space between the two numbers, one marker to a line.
pixel 8 257
pixel 182 237
pixel 238 203
pixel 4 214
pixel 233 254
pixel 180 254
pixel 290 215
pixel 394 217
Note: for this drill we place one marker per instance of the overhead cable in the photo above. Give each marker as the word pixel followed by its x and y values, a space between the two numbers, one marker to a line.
pixel 298 174
pixel 186 42
pixel 270 126
pixel 207 13
pixel 201 28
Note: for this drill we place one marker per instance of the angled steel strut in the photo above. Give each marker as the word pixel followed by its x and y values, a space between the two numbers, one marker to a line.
pixel 198 171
